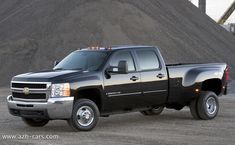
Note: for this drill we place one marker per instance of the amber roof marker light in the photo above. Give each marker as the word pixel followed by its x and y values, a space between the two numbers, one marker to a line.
pixel 94 47
pixel 108 48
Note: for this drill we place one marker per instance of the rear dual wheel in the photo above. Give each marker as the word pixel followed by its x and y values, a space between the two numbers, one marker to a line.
pixel 154 111
pixel 205 107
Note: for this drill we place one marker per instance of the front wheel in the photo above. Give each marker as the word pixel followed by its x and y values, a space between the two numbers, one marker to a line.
pixel 35 122
pixel 85 115
pixel 154 111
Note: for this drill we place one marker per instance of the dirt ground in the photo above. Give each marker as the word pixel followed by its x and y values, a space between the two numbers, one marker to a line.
pixel 171 127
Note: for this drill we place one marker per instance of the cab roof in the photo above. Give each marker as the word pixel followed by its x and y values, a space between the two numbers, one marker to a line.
pixel 115 47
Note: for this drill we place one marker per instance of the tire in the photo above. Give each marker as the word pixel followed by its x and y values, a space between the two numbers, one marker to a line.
pixel 193 109
pixel 85 115
pixel 208 105
pixel 154 111
pixel 35 122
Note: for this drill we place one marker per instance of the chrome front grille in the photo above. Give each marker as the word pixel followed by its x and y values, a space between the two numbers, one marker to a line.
pixel 22 85
pixel 30 91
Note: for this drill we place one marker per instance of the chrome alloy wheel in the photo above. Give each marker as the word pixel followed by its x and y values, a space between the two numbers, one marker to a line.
pixel 85 115
pixel 211 105
pixel 157 108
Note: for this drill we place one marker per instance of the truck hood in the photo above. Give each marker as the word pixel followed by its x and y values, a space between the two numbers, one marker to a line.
pixel 48 76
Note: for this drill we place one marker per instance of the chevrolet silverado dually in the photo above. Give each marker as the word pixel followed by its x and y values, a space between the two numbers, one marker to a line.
pixel 97 82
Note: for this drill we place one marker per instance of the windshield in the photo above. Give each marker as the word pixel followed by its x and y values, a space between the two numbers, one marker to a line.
pixel 82 60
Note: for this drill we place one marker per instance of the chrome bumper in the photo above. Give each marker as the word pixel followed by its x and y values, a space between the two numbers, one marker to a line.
pixel 55 108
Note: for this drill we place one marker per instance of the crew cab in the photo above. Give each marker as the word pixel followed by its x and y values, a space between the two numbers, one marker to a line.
pixel 97 82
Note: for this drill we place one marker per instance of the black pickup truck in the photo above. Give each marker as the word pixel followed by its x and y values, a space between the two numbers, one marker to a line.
pixel 94 82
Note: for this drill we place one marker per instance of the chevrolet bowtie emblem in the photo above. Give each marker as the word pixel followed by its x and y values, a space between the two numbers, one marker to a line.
pixel 26 91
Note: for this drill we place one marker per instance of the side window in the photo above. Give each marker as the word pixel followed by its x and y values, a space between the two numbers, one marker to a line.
pixel 148 59
pixel 125 55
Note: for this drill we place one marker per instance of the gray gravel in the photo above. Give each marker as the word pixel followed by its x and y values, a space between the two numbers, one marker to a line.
pixel 170 128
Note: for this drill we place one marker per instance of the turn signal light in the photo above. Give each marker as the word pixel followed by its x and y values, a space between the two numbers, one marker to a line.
pixel 66 90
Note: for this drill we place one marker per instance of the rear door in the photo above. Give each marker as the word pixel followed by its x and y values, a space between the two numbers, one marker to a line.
pixel 154 80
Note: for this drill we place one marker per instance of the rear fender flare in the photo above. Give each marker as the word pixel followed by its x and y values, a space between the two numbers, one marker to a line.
pixel 199 75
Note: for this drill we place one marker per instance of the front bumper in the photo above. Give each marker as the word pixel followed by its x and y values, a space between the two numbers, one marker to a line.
pixel 54 108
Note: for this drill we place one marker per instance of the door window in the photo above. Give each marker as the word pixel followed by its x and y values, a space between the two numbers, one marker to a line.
pixel 148 59
pixel 126 56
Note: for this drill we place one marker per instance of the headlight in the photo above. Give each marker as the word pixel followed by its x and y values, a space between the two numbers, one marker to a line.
pixel 60 90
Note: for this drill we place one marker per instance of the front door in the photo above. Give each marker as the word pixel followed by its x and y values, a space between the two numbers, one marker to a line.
pixel 123 90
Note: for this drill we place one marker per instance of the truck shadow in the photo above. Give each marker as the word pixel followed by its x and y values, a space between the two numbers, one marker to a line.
pixel 119 121
pixel 115 122
pixel 139 119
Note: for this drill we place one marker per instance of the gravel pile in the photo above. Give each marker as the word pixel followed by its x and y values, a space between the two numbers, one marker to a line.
pixel 34 33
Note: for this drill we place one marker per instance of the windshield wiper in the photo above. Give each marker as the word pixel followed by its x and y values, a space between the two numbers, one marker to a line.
pixel 77 68
pixel 69 69
pixel 58 69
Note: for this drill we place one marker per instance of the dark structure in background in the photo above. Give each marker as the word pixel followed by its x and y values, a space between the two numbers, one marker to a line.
pixel 227 14
pixel 229 27
pixel 202 5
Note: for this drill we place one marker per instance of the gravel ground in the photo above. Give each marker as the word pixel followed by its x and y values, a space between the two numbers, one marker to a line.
pixel 171 127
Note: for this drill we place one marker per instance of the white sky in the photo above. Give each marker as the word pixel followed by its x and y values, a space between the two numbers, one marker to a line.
pixel 216 8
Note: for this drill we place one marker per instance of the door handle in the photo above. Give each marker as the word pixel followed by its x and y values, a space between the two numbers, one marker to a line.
pixel 134 78
pixel 160 76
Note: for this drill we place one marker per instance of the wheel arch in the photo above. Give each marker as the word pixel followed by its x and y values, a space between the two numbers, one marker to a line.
pixel 93 93
pixel 214 85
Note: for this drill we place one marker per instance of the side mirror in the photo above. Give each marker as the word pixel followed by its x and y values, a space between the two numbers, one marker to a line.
pixel 122 67
pixel 55 63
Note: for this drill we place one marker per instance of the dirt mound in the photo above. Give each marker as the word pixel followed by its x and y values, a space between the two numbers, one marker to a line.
pixel 34 33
